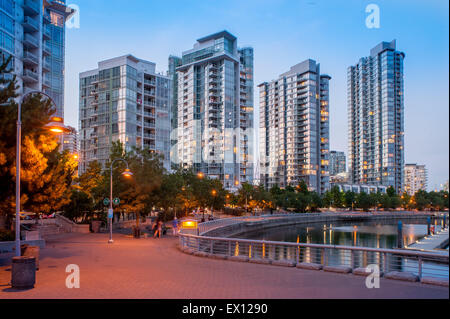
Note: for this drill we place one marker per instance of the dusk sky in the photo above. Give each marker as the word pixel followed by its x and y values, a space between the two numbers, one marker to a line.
pixel 284 33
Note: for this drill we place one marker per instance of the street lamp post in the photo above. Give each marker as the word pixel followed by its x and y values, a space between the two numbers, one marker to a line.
pixel 126 173
pixel 214 194
pixel 55 126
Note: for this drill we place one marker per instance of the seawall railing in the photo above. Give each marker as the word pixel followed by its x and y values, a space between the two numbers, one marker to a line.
pixel 348 258
pixel 415 265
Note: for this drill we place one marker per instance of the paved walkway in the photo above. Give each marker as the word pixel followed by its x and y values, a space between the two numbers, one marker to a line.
pixel 155 268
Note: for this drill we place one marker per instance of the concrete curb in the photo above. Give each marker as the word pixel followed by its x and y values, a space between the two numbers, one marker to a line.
pixel 260 261
pixel 284 263
pixel 238 258
pixel 200 254
pixel 338 269
pixel 188 251
pixel 434 281
pixel 218 256
pixel 362 272
pixel 310 266
pixel 405 276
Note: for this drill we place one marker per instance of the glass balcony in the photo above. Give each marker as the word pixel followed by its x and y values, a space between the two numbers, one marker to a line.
pixel 47 33
pixel 31 7
pixel 30 76
pixel 30 24
pixel 30 41
pixel 46 82
pixel 30 58
pixel 46 65
pixel 46 49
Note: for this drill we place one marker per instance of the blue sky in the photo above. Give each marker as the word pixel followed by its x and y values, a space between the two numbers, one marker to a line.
pixel 283 33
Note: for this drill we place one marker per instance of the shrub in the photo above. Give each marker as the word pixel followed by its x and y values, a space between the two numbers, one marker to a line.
pixel 7 235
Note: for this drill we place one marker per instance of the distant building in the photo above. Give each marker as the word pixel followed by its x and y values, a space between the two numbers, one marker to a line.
pixel 445 187
pixel 416 178
pixel 338 163
pixel 376 118
pixel 358 188
pixel 294 128
pixel 70 141
pixel 339 178
pixel 124 100
pixel 214 109
pixel 33 33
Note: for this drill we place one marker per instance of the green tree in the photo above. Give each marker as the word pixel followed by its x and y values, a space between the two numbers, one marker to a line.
pixel 349 199
pixel 363 201
pixel 405 201
pixel 46 174
pixel 421 200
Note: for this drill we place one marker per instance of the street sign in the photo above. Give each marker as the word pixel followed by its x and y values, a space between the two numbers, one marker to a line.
pixel 116 201
pixel 110 213
pixel 106 201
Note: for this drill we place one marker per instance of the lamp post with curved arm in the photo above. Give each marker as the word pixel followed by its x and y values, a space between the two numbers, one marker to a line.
pixel 55 126
pixel 126 173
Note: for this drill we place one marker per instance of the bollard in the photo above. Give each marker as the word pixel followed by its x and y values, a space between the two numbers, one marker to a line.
pixel 400 235
pixel 428 225
pixel 23 272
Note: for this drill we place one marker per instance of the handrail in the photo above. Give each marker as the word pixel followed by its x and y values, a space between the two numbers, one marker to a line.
pixel 416 263
pixel 305 245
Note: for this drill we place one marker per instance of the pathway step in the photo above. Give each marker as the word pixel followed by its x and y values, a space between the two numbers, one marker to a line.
pixel 338 269
pixel 310 266
pixel 435 281
pixel 405 276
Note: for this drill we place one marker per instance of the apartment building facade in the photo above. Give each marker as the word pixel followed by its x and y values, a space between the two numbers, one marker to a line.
pixel 294 128
pixel 416 178
pixel 70 141
pixel 215 110
pixel 376 118
pixel 33 33
pixel 338 163
pixel 124 100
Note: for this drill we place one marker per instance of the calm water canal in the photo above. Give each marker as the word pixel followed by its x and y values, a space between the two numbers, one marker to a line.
pixel 365 234
pixel 374 234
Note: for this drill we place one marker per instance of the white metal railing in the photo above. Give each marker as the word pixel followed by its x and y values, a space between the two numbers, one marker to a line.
pixel 218 223
pixel 421 264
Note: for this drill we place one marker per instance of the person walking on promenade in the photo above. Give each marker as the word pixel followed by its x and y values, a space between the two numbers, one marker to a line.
pixel 159 225
pixel 175 226
pixel 156 228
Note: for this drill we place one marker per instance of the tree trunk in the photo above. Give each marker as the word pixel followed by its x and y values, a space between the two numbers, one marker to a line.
pixel 2 222
pixel 137 219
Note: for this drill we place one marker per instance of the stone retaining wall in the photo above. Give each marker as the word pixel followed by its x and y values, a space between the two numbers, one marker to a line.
pixel 8 246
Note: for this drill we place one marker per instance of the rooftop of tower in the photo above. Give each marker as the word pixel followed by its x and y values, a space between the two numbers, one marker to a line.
pixel 220 34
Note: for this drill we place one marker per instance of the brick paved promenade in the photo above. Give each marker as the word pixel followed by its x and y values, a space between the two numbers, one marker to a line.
pixel 149 268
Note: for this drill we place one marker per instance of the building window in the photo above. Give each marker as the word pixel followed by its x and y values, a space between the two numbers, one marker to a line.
pixel 57 19
pixel 8 6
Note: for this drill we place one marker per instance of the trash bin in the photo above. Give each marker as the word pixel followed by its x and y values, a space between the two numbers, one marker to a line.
pixel 96 226
pixel 30 251
pixel 136 232
pixel 23 272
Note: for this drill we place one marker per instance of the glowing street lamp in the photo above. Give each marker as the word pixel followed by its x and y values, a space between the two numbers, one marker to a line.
pixel 214 194
pixel 56 126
